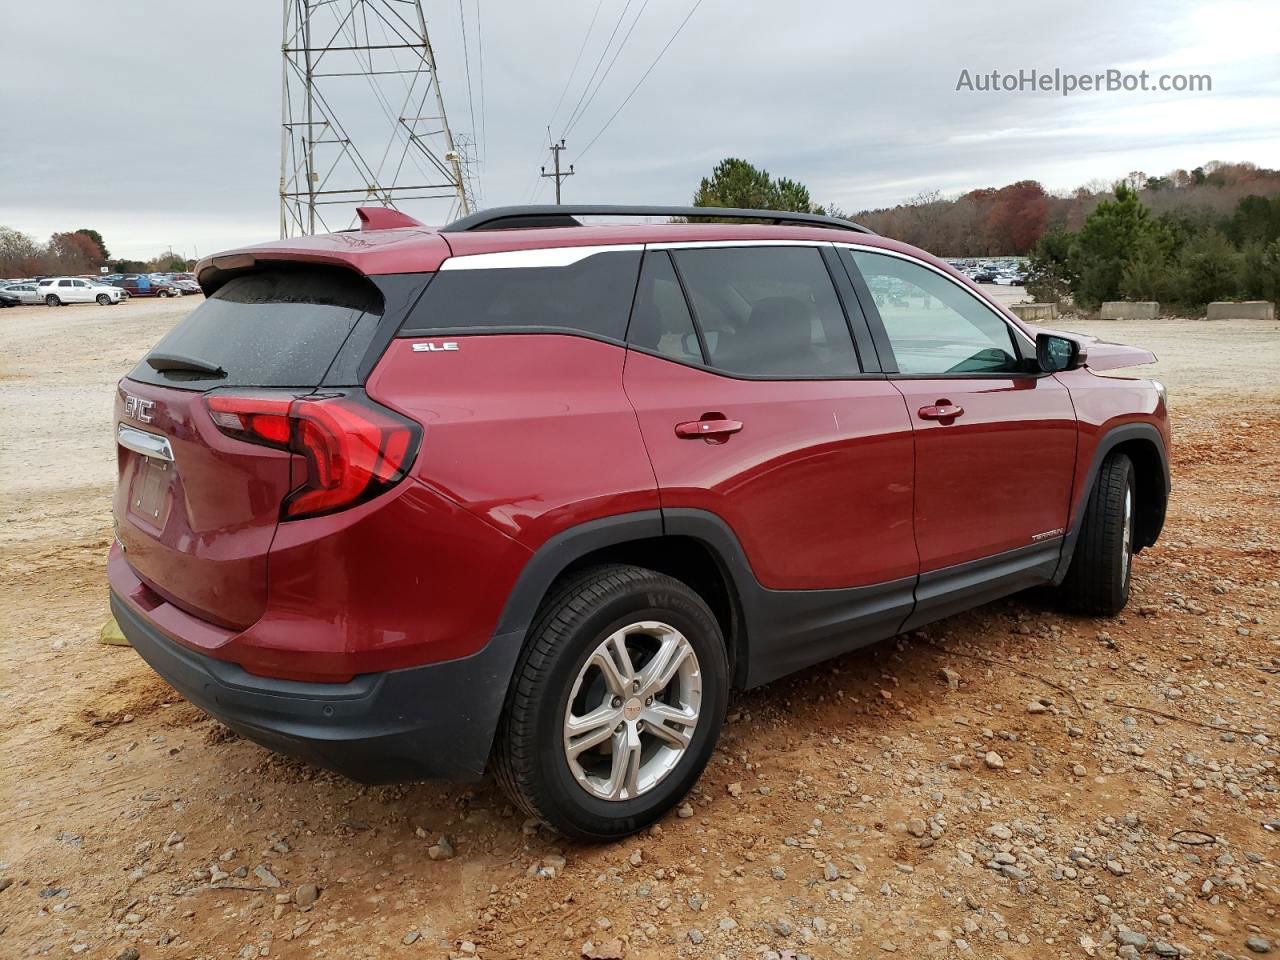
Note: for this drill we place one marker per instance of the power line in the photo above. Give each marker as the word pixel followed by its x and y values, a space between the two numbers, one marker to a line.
pixel 603 53
pixel 537 180
pixel 577 60
pixel 604 76
pixel 484 137
pixel 466 59
pixel 642 79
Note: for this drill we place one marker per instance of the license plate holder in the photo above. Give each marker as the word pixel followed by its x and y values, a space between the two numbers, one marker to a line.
pixel 147 496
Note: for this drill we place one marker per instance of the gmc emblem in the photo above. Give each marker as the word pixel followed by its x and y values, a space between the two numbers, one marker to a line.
pixel 138 408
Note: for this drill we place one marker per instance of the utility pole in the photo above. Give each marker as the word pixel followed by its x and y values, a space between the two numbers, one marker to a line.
pixel 555 151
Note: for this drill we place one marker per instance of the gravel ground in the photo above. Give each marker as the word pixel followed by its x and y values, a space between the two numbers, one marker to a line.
pixel 1008 783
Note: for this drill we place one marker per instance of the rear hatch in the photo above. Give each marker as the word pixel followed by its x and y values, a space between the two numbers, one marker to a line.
pixel 203 431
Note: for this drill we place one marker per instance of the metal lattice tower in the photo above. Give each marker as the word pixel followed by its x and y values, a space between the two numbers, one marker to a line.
pixel 369 61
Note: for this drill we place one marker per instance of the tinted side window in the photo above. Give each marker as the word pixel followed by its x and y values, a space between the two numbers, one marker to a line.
pixel 935 326
pixel 592 295
pixel 768 311
pixel 660 320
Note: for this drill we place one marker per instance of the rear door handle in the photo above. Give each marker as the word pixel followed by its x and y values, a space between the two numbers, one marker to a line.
pixel 719 429
pixel 942 410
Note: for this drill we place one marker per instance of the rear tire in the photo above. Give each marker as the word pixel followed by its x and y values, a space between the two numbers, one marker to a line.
pixel 52 301
pixel 1097 582
pixel 573 688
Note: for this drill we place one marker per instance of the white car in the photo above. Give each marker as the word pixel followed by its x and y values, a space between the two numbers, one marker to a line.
pixel 56 291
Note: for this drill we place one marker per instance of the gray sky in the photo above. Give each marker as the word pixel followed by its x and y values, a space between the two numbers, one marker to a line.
pixel 159 123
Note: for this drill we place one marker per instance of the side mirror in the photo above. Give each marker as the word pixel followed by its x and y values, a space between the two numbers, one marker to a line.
pixel 1055 354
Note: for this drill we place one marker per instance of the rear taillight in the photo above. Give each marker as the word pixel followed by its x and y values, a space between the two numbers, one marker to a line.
pixel 353 448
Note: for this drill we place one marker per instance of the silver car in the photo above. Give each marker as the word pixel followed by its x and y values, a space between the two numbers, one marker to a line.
pixel 25 292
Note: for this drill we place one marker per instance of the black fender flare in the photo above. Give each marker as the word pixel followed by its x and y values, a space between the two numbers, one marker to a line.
pixel 567 546
pixel 574 543
pixel 1110 440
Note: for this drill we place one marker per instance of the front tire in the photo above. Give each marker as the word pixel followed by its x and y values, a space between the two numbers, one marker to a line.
pixel 616 703
pixel 1098 580
pixel 163 293
pixel 52 301
pixel 103 299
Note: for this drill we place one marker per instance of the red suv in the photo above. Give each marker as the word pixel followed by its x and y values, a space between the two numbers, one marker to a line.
pixel 404 501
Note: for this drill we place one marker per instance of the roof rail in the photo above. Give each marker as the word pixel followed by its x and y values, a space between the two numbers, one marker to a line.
pixel 548 215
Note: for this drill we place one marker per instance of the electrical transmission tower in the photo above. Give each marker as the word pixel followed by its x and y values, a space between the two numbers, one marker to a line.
pixel 340 147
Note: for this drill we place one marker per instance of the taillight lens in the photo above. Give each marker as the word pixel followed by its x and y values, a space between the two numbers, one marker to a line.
pixel 353 449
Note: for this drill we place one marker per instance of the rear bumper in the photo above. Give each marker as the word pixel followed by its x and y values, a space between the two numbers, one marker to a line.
pixel 417 723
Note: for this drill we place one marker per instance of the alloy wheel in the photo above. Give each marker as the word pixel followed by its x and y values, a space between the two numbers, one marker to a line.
pixel 632 711
pixel 1126 536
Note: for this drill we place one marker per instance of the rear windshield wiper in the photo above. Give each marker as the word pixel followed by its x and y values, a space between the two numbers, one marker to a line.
pixel 176 363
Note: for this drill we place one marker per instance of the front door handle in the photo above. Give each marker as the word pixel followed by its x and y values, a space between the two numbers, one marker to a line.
pixel 711 430
pixel 942 410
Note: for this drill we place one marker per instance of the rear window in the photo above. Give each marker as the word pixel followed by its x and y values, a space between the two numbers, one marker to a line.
pixel 768 311
pixel 591 295
pixel 270 328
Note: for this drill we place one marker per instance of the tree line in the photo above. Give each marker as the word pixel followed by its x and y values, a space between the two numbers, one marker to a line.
pixel 1186 237
pixel 73 253
pixel 1183 257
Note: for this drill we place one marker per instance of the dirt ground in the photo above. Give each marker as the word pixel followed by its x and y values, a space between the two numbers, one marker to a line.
pixel 1008 783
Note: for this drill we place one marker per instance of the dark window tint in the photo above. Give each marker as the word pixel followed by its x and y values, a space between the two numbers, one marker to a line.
pixel 273 328
pixel 592 295
pixel 933 324
pixel 768 311
pixel 660 320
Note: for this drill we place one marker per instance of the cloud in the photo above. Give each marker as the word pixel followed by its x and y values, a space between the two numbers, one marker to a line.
pixel 157 125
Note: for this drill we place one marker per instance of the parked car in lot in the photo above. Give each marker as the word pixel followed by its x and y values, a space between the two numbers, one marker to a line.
pixel 1010 279
pixel 21 293
pixel 540 497
pixel 59 291
pixel 185 286
pixel 148 287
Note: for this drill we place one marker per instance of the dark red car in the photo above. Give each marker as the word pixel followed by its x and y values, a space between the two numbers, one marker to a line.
pixel 148 287
pixel 525 493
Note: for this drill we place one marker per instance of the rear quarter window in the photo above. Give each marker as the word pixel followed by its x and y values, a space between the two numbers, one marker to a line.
pixel 591 295
pixel 269 328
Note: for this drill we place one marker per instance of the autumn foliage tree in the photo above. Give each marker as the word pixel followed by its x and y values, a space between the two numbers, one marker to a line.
pixel 76 252
pixel 96 237
pixel 20 256
pixel 996 221
pixel 73 253
pixel 1017 216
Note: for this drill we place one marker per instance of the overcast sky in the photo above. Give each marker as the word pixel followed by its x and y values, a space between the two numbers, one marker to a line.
pixel 159 123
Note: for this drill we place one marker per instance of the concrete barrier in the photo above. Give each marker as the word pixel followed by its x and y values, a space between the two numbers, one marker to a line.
pixel 1129 310
pixel 1248 310
pixel 1035 312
